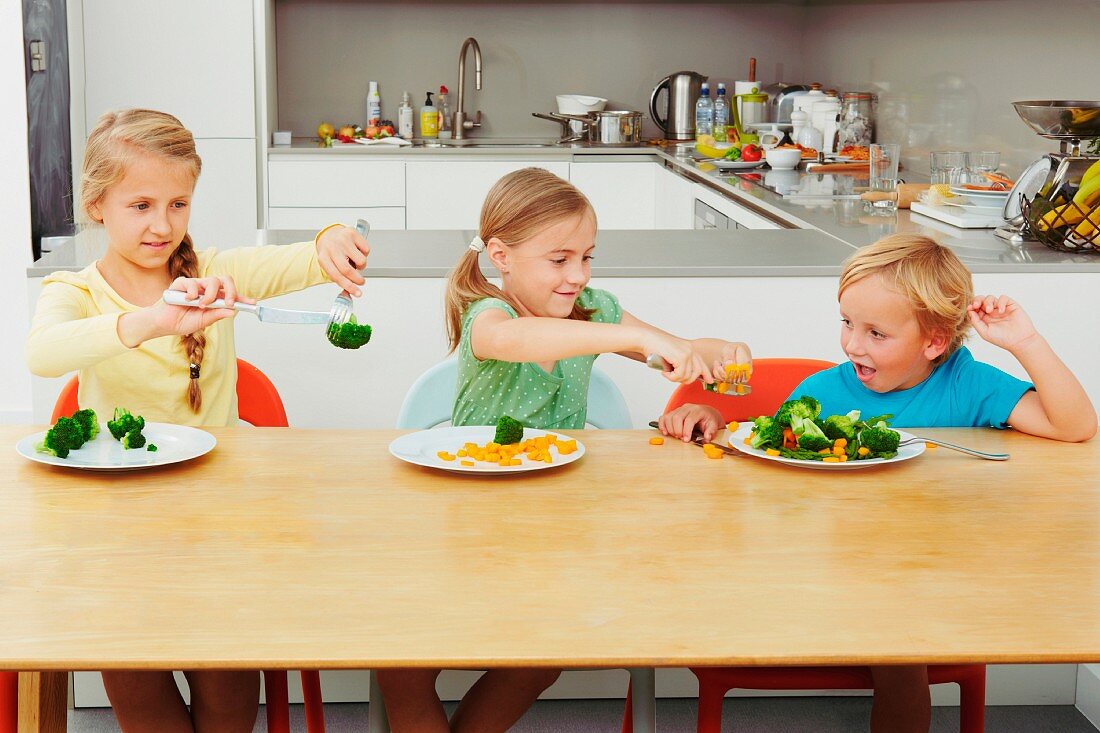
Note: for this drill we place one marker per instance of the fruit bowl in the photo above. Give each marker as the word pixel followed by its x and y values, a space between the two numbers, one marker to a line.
pixel 1061 119
pixel 1061 225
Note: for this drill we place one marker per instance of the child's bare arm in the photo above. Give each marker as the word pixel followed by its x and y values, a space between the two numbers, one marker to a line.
pixel 496 335
pixel 1059 408
pixel 716 353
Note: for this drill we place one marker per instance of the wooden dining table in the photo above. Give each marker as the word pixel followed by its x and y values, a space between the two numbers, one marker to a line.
pixel 316 549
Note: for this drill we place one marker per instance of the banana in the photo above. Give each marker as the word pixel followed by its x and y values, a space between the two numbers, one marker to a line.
pixel 1088 193
pixel 1092 172
pixel 1089 225
pixel 1065 215
pixel 1081 116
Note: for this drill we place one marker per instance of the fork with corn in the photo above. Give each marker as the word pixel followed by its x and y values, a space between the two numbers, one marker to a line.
pixel 735 384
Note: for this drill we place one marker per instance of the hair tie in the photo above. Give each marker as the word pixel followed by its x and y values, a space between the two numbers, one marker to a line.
pixel 477 244
pixel 194 371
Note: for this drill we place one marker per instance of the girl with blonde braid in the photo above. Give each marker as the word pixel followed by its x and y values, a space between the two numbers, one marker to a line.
pixel 168 363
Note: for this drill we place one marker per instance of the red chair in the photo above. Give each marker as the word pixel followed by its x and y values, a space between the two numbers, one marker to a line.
pixel 9 702
pixel 773 380
pixel 715 682
pixel 259 404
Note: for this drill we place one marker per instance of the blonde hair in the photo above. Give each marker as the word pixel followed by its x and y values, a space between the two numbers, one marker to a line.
pixel 517 207
pixel 117 140
pixel 930 276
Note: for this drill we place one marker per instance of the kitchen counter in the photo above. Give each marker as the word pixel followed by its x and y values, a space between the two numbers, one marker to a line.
pixel 846 221
pixel 652 253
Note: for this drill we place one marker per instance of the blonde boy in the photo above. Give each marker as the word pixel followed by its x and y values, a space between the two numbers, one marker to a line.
pixel 906 305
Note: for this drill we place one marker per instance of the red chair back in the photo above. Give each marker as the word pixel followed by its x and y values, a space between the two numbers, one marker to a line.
pixel 772 382
pixel 258 402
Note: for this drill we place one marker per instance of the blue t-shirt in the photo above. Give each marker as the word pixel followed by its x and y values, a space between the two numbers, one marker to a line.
pixel 959 393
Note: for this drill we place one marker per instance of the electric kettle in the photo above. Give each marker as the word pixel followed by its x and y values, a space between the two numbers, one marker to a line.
pixel 678 121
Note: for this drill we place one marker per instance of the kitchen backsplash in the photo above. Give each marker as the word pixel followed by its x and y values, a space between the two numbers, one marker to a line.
pixel 328 51
pixel 945 71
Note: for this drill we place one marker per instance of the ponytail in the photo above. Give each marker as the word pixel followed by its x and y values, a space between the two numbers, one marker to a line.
pixel 185 263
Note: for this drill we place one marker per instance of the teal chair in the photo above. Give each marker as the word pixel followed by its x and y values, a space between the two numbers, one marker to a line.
pixel 431 397
pixel 428 404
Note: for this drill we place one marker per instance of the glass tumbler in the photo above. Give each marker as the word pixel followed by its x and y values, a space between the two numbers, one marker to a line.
pixel 948 166
pixel 883 169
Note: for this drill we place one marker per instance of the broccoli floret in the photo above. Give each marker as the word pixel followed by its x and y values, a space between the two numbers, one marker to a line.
pixel 133 439
pixel 124 423
pixel 152 448
pixel 809 435
pixel 842 426
pixel 880 439
pixel 801 411
pixel 767 432
pixel 349 335
pixel 783 414
pixel 89 424
pixel 63 437
pixel 509 431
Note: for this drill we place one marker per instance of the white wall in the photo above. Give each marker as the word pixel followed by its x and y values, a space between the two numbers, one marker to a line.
pixel 15 218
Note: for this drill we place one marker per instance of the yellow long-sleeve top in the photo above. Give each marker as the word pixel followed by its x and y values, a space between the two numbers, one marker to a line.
pixel 75 328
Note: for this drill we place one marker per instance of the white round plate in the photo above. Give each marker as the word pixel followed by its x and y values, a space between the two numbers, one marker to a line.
pixel 981 206
pixel 996 195
pixel 737 440
pixel 175 443
pixel 735 165
pixel 422 447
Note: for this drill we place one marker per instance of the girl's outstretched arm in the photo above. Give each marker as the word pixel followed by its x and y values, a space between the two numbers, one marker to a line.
pixel 1059 408
pixel 496 335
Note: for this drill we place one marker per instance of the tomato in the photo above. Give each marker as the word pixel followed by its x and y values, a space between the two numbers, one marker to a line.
pixel 750 153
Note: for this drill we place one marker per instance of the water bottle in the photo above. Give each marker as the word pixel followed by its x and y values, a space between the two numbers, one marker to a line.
pixel 704 113
pixel 721 114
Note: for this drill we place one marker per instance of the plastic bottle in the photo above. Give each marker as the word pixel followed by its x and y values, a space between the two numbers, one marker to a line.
pixel 721 114
pixel 374 105
pixel 405 118
pixel 429 120
pixel 445 120
pixel 704 113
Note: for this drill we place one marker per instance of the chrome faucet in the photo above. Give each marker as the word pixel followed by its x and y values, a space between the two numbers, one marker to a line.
pixel 461 124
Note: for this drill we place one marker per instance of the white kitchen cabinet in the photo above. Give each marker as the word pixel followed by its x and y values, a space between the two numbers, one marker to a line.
pixel 674 200
pixel 743 216
pixel 225 205
pixel 447 194
pixel 622 193
pixel 380 217
pixel 193 59
pixel 336 183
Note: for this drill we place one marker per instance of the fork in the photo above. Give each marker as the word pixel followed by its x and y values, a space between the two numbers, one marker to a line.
pixel 740 372
pixel 961 449
pixel 342 307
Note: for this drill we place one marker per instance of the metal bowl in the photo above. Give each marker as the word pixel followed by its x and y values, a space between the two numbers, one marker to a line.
pixel 1061 119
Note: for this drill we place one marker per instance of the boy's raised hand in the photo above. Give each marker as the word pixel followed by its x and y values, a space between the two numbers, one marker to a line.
pixel 681 422
pixel 1000 321
pixel 342 253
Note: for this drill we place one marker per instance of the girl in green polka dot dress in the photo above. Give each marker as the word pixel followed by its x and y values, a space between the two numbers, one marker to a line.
pixel 526 350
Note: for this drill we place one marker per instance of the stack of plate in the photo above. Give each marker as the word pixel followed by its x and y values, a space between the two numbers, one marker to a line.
pixel 975 210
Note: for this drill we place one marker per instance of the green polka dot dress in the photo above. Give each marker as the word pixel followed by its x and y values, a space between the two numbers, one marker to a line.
pixel 556 400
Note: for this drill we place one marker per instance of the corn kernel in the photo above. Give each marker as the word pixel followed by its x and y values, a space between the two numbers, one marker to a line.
pixel 864 451
pixel 830 459
pixel 773 452
pixel 733 426
pixel 445 456
pixel 468 464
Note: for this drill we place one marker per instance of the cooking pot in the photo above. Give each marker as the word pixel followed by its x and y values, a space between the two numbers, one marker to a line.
pixel 610 127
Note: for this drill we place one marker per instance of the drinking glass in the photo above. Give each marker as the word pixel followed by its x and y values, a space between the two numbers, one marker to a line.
pixel 884 158
pixel 986 161
pixel 948 166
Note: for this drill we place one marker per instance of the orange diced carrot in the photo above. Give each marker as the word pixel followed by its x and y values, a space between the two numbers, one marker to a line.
pixel 657 441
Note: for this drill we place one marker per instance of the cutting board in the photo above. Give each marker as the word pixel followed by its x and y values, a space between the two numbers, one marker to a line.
pixel 958 217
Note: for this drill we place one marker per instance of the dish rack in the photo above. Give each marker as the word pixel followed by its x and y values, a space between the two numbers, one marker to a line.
pixel 1066 227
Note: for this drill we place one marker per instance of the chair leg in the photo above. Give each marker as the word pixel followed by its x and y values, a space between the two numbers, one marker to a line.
pixel 710 708
pixel 9 702
pixel 314 704
pixel 628 713
pixel 972 704
pixel 278 701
